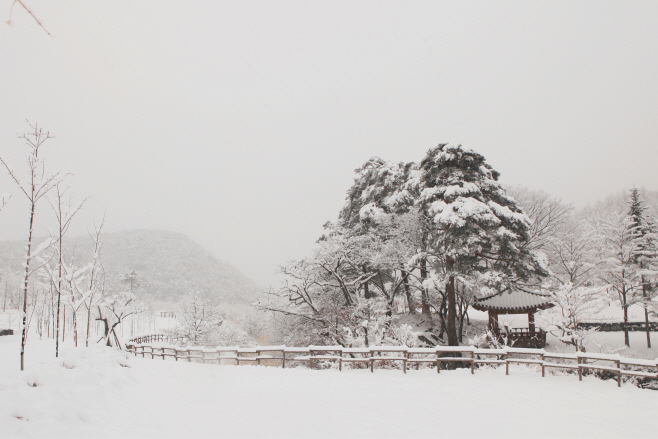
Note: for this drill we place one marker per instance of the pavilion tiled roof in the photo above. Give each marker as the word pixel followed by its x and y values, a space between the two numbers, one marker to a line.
pixel 513 301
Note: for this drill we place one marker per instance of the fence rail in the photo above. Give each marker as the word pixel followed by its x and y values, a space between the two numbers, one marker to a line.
pixel 153 338
pixel 462 356
pixel 619 326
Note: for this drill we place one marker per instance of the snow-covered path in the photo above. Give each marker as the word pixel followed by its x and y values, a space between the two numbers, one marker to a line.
pixel 93 396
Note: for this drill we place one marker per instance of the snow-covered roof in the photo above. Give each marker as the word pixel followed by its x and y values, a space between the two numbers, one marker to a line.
pixel 513 301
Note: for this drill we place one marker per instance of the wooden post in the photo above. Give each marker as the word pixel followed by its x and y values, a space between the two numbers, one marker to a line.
pixel 580 369
pixel 531 322
pixel 618 363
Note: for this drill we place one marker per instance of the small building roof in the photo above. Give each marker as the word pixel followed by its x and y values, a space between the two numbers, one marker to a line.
pixel 514 301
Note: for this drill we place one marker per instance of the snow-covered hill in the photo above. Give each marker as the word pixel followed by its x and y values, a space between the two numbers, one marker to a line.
pixel 168 265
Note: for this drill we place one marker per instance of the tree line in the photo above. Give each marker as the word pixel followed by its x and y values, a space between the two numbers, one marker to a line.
pixel 52 281
pixel 429 237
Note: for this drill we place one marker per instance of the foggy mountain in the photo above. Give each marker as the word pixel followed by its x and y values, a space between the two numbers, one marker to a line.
pixel 168 265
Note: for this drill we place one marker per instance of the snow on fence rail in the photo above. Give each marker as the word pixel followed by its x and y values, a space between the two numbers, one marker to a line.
pixel 619 326
pixel 465 356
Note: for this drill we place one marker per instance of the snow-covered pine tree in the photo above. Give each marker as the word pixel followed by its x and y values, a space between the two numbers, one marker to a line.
pixel 644 253
pixel 132 280
pixel 382 203
pixel 478 228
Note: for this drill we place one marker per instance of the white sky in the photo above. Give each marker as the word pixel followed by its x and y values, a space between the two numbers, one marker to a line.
pixel 240 123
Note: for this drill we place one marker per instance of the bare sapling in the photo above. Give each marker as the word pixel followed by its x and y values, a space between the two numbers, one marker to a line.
pixel 95 288
pixel 64 211
pixel 38 184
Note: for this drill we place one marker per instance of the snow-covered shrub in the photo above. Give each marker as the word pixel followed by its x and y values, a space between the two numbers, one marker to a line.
pixel 405 336
pixel 486 340
pixel 573 306
pixel 198 320
pixel 228 335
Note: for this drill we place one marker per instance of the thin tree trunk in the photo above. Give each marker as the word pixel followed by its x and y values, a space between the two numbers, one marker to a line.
pixel 4 305
pixel 64 322
pixel 27 276
pixel 626 339
pixel 442 318
pixel 646 312
pixel 88 322
pixel 407 292
pixel 75 328
pixel 425 306
pixel 451 328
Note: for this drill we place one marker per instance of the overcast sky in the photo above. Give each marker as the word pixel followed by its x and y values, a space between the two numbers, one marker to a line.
pixel 240 123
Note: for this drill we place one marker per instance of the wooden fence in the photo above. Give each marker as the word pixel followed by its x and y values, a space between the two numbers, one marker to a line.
pixel 462 356
pixel 619 326
pixel 153 338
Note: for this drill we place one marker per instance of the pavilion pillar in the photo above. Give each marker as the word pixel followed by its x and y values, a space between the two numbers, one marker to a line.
pixel 531 321
pixel 493 323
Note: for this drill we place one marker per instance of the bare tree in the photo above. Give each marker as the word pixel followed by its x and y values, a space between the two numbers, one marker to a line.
pixel 37 186
pixel 113 310
pixel 618 270
pixel 64 213
pixel 572 254
pixel 199 319
pixel 574 306
pixel 547 215
pixel 96 286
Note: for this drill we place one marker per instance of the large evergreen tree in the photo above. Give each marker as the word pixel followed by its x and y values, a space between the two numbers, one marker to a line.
pixel 644 253
pixel 478 228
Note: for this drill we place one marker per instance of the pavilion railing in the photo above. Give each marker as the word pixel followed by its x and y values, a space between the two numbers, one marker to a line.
pixel 523 338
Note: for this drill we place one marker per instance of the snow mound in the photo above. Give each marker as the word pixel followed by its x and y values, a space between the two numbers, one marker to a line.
pixel 57 390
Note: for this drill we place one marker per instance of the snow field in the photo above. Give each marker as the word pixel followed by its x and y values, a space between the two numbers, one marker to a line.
pixel 87 393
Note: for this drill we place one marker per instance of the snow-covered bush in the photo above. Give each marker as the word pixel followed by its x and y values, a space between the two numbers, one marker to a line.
pixel 487 340
pixel 228 335
pixel 197 322
pixel 574 305
pixel 405 336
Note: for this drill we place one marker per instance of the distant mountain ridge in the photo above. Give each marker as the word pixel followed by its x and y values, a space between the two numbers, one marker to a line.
pixel 168 265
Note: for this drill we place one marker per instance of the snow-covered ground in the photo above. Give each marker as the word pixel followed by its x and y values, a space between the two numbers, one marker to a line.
pixel 612 342
pixel 90 393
